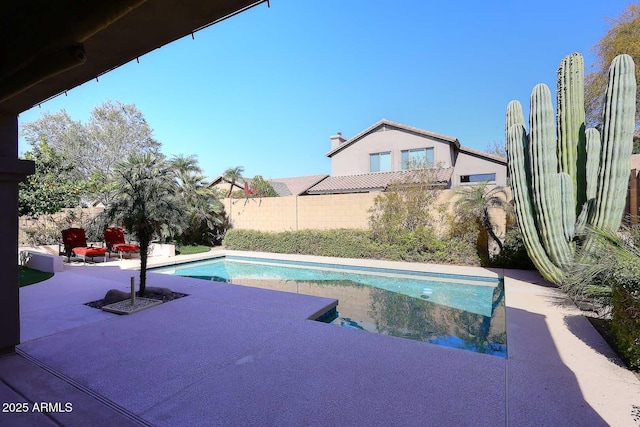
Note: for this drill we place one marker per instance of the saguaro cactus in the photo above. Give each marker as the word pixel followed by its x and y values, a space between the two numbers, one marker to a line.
pixel 560 183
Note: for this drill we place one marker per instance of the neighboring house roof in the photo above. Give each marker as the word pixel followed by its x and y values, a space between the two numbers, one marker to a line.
pixel 222 180
pixel 375 181
pixel 384 123
pixel 295 185
pixel 478 153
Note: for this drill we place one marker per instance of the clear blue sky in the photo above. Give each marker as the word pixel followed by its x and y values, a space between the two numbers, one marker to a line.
pixel 266 88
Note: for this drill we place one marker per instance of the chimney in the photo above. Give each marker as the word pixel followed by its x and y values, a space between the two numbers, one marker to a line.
pixel 336 140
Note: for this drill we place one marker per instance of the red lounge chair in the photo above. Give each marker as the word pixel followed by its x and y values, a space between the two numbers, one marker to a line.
pixel 114 237
pixel 75 243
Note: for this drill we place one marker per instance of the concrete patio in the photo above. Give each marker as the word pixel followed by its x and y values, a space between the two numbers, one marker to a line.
pixel 230 355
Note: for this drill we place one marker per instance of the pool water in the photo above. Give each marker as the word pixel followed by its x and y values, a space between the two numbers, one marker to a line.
pixel 465 312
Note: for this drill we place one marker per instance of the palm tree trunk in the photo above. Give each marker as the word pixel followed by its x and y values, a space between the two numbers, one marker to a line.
pixel 486 222
pixel 144 254
pixel 231 188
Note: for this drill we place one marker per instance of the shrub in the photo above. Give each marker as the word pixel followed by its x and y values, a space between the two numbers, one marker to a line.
pixel 625 326
pixel 608 273
pixel 418 246
pixel 513 254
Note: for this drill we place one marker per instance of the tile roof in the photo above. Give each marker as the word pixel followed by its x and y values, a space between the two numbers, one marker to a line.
pixel 376 181
pixel 295 185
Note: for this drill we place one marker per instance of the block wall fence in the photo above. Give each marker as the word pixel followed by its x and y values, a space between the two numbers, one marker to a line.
pixel 320 212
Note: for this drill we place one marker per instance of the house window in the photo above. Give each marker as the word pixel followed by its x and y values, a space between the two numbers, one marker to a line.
pixel 380 162
pixel 421 157
pixel 478 177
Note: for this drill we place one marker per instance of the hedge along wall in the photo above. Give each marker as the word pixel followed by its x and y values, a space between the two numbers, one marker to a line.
pixel 320 212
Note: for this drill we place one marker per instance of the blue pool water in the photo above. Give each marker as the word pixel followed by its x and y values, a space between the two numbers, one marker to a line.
pixel 452 310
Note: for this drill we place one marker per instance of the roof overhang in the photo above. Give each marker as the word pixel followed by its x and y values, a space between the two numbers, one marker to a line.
pixel 49 47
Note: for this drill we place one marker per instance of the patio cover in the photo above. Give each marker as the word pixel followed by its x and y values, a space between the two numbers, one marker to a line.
pixel 47 48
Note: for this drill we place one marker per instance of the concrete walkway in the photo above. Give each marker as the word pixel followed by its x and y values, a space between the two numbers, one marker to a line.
pixel 229 355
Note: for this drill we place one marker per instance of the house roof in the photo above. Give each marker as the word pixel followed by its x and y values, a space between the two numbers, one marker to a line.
pixel 478 153
pixel 375 181
pixel 399 126
pixel 385 124
pixel 295 185
pixel 221 179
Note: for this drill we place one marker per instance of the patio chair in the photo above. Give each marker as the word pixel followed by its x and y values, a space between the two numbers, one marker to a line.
pixel 75 243
pixel 114 238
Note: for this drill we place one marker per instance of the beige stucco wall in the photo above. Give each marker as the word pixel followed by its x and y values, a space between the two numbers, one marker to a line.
pixel 354 159
pixel 321 212
pixel 301 212
pixel 329 211
pixel 467 164
pixel 265 214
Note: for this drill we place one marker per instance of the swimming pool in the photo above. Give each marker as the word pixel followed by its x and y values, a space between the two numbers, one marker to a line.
pixel 465 312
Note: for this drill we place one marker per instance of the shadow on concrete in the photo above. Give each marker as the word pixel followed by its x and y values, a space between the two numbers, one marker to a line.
pixel 541 389
pixel 583 330
pixel 529 276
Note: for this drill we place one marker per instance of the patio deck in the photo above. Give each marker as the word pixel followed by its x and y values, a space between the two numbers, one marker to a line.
pixel 230 355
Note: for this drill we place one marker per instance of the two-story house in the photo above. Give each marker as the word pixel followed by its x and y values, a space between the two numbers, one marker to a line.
pixel 381 154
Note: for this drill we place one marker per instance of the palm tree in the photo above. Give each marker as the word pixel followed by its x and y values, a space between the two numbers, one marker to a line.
pixel 204 211
pixel 145 202
pixel 476 201
pixel 233 175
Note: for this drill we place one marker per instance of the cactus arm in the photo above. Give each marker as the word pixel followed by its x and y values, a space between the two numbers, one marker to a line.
pixel 571 119
pixel 517 154
pixel 544 169
pixel 514 116
pixel 567 199
pixel 617 143
pixel 593 161
pixel 581 221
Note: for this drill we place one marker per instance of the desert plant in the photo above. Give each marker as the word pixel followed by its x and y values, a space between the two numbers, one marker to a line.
pixel 233 175
pixel 203 211
pixel 608 275
pixel 476 202
pixel 146 203
pixel 559 185
pixel 407 205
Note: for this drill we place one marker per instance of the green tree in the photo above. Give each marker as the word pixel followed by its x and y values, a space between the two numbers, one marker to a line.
pixel 623 36
pixel 476 202
pixel 114 132
pixel 233 175
pixel 145 202
pixel 262 187
pixel 205 213
pixel 52 187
